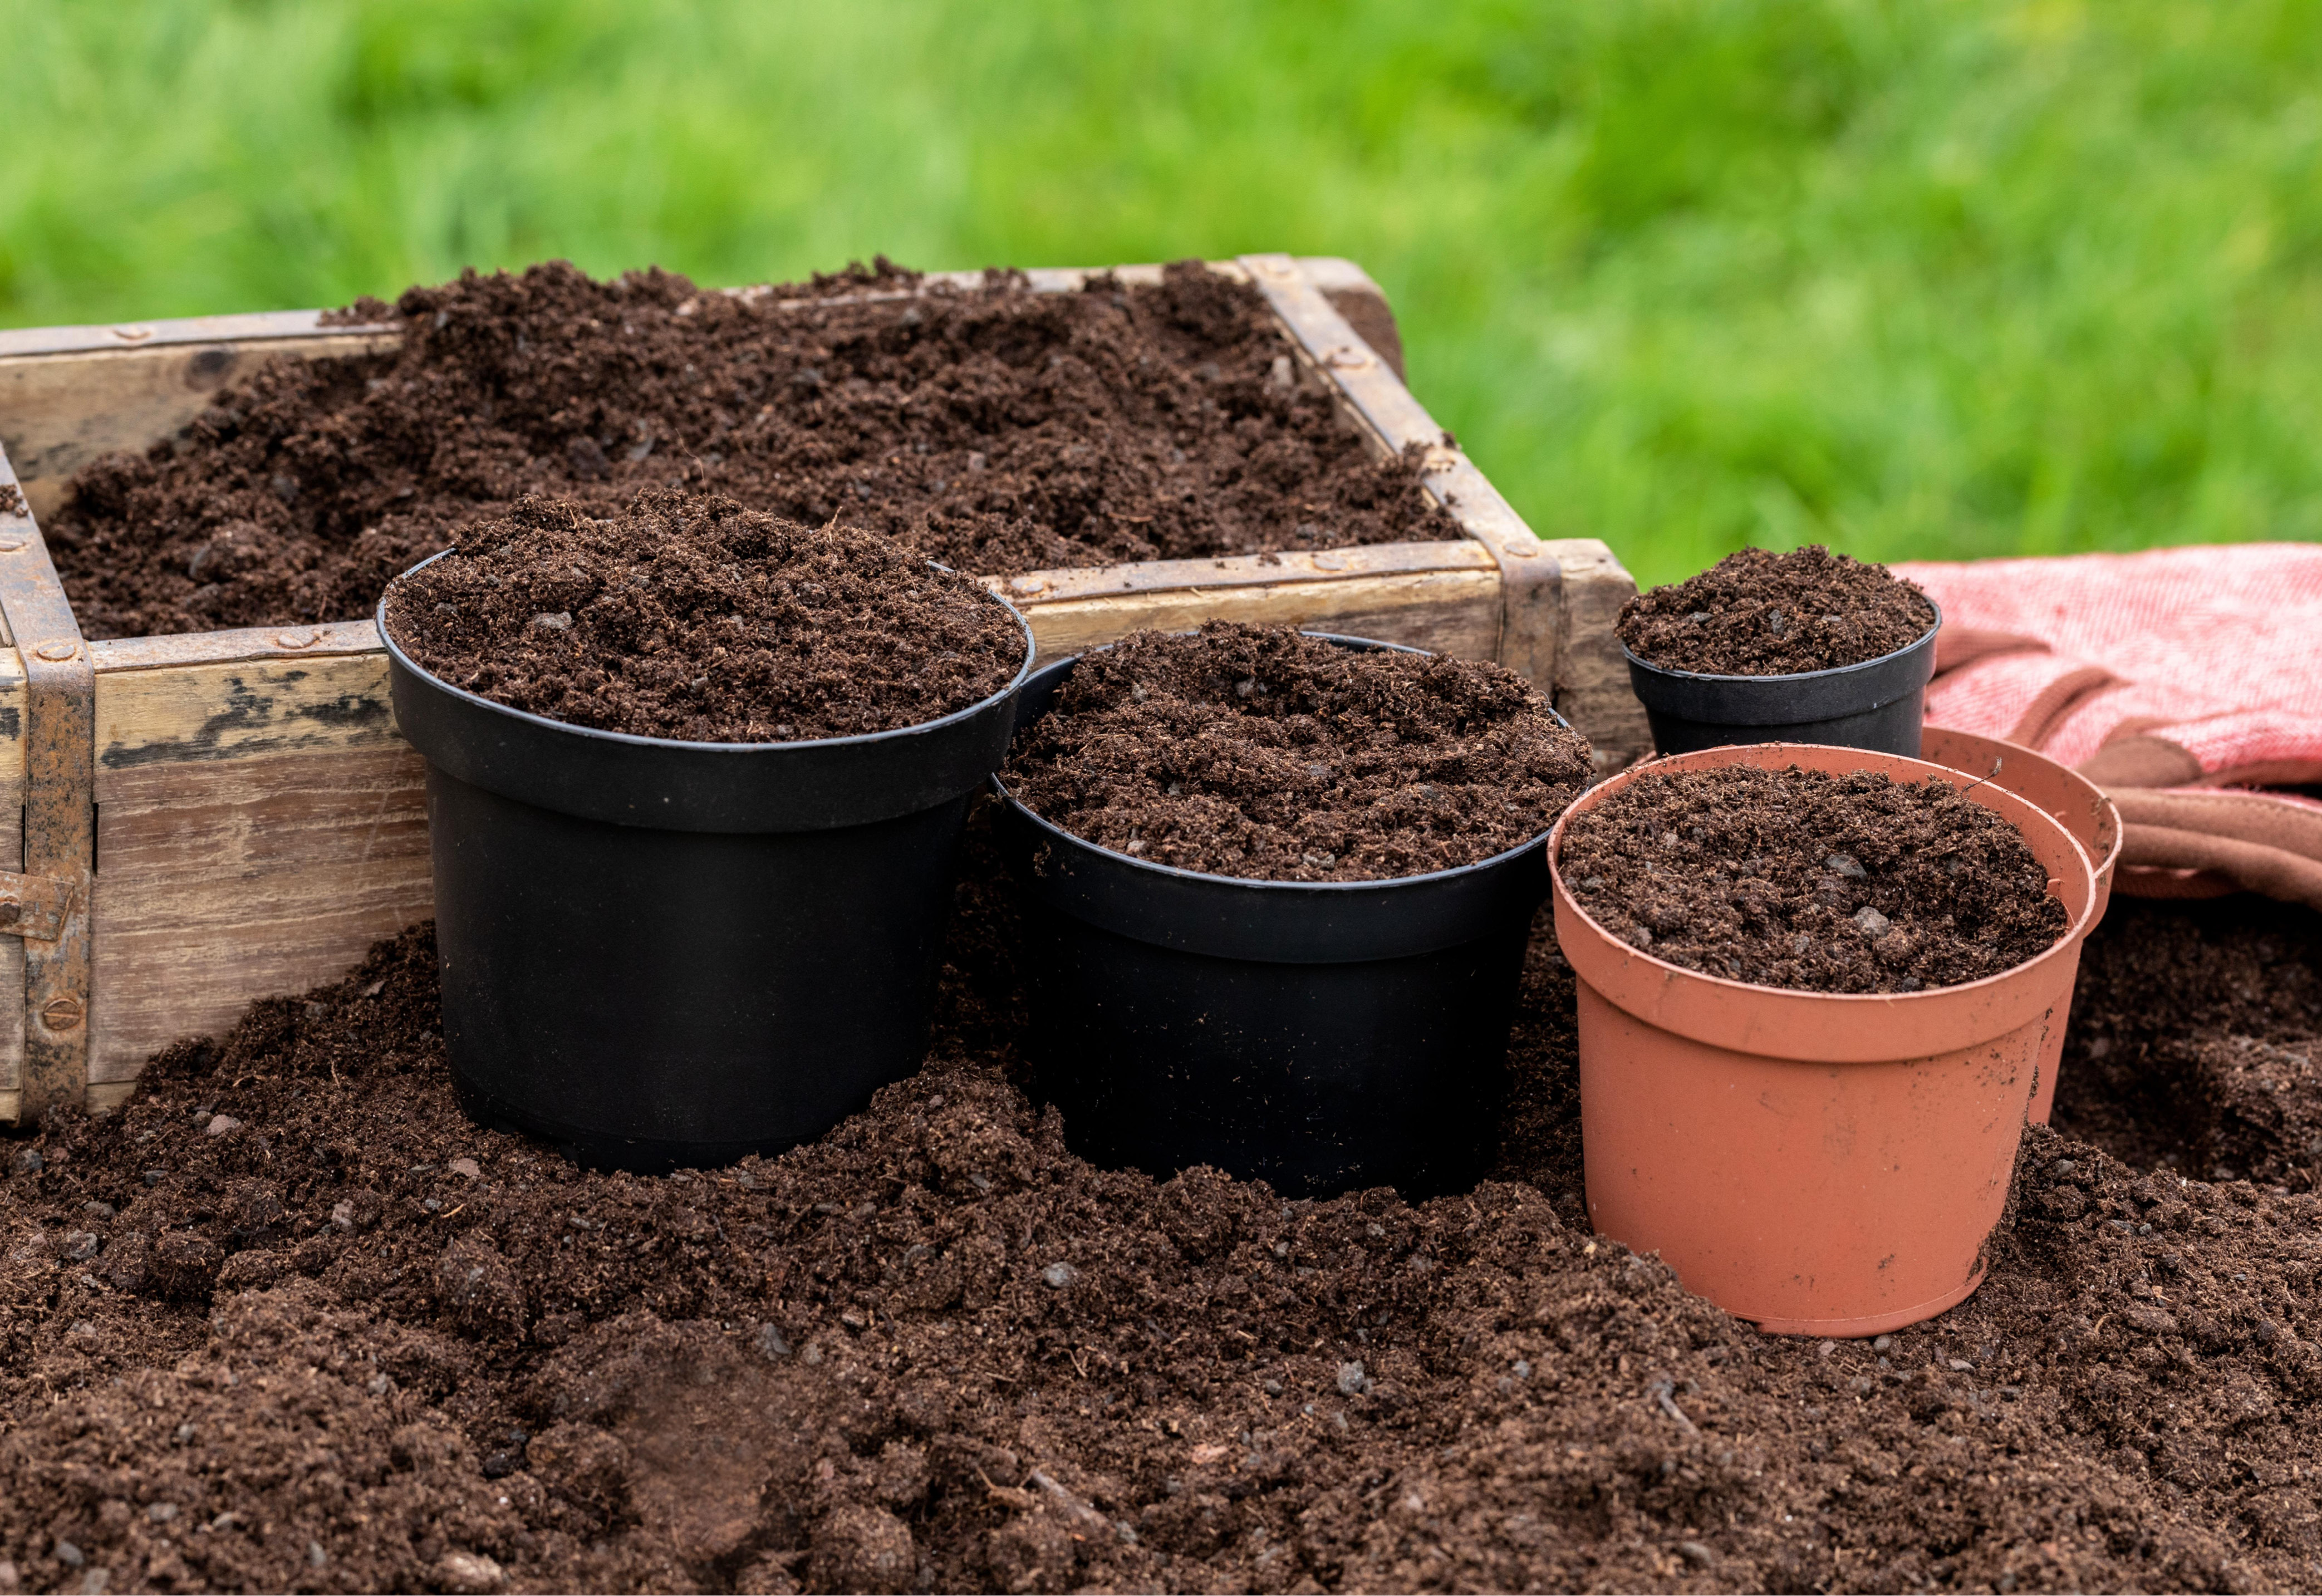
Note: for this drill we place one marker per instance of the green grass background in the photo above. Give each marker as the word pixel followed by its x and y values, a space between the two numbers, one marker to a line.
pixel 1933 281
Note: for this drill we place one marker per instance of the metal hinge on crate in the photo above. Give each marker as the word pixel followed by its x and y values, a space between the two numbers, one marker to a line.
pixel 35 907
pixel 49 897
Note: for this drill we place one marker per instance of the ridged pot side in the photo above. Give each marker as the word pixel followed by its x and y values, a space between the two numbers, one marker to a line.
pixel 657 954
pixel 1823 1164
pixel 1877 704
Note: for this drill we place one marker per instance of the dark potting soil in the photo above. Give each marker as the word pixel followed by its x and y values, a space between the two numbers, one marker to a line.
pixel 287 1321
pixel 1817 882
pixel 1756 613
pixel 2196 1041
pixel 689 617
pixel 996 430
pixel 1261 754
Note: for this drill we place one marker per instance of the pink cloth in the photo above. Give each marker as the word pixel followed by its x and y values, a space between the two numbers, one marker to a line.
pixel 2159 676
pixel 2216 650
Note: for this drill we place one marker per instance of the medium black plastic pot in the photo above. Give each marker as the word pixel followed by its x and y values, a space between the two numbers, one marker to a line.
pixel 1317 1036
pixel 659 954
pixel 1878 704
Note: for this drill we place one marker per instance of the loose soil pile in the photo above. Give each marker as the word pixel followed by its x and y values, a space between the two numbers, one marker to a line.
pixel 1816 882
pixel 2193 1042
pixel 997 430
pixel 289 1322
pixel 1760 614
pixel 1259 753
pixel 691 617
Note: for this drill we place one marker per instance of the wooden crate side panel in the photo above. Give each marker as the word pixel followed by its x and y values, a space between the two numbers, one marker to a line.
pixel 1454 612
pixel 260 825
pixel 223 881
pixel 58 412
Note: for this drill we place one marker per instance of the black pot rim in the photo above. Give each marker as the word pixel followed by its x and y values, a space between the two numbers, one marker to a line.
pixel 1924 638
pixel 1209 878
pixel 800 744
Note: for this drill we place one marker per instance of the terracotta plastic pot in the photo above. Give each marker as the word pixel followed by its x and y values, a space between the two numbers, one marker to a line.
pixel 2078 805
pixel 1824 1164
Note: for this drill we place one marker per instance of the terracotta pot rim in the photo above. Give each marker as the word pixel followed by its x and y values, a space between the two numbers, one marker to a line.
pixel 1938 1008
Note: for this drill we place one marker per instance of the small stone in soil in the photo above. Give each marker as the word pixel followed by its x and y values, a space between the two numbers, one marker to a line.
pixel 1059 1275
pixel 221 1125
pixel 1352 1381
pixel 773 1343
pixel 1872 922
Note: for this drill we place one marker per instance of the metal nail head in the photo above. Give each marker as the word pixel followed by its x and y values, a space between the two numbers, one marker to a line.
pixel 62 1014
pixel 57 651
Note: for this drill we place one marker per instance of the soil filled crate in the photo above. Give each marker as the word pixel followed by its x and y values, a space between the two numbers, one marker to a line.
pixel 217 815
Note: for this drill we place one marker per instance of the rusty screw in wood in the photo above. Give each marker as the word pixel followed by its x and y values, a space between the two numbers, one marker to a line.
pixel 1029 584
pixel 57 650
pixel 1347 358
pixel 10 913
pixel 297 639
pixel 133 334
pixel 62 1014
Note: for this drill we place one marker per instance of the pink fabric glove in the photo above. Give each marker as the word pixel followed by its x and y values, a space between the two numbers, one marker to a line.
pixel 2163 677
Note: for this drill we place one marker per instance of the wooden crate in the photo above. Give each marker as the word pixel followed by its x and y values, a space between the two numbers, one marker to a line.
pixel 257 823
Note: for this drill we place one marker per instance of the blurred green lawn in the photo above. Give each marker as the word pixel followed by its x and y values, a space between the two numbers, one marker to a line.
pixel 1932 280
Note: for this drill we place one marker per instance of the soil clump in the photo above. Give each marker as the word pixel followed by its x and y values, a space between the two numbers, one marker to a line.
pixel 1261 754
pixel 1816 882
pixel 288 1321
pixel 689 617
pixel 995 430
pixel 1756 613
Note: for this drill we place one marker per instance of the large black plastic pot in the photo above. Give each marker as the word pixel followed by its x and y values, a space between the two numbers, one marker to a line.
pixel 1317 1036
pixel 657 954
pixel 1880 704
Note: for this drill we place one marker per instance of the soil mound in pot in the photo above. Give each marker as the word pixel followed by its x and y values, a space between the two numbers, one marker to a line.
pixel 689 617
pixel 1260 754
pixel 288 1321
pixel 1756 613
pixel 1811 882
pixel 996 429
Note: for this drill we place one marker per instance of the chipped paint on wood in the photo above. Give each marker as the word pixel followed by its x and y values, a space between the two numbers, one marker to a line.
pixel 241 710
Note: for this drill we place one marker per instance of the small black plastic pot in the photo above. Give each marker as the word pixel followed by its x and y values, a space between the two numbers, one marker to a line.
pixel 659 954
pixel 1880 704
pixel 1319 1035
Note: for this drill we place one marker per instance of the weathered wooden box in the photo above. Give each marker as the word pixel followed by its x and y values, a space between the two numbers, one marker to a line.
pixel 213 818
